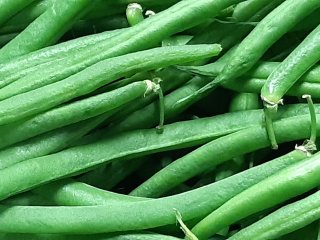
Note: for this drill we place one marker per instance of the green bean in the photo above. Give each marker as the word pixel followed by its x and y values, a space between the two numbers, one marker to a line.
pixel 155 29
pixel 267 32
pixel 212 126
pixel 242 12
pixel 40 170
pixel 159 143
pixel 115 236
pixel 29 63
pixel 134 14
pixel 39 100
pixel 261 70
pixel 140 215
pixel 22 19
pixel 48 143
pixel 73 112
pixel 44 31
pixel 214 153
pixel 285 220
pixel 82 194
pixel 291 69
pixel 9 8
pixel 284 185
pixel 254 85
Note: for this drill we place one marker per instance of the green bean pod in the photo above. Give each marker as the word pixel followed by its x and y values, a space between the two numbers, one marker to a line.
pixel 210 155
pixel 26 16
pixel 140 215
pixel 76 160
pixel 9 8
pixel 254 85
pixel 261 70
pixel 286 184
pixel 285 220
pixel 28 64
pixel 82 194
pixel 74 112
pixel 84 82
pixel 162 25
pixel 266 33
pixel 44 30
pixel 116 236
pixel 48 143
pixel 291 69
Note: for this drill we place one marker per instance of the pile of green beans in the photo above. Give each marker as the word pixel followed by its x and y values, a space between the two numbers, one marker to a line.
pixel 148 120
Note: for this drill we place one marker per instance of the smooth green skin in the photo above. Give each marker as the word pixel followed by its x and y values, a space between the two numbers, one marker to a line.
pixel 254 85
pixel 229 35
pixel 48 143
pixel 9 8
pixel 164 24
pixel 261 70
pixel 88 80
pixel 306 55
pixel 22 19
pixel 46 29
pixel 139 215
pixel 178 135
pixel 214 153
pixel 285 220
pixel 134 14
pixel 73 161
pixel 29 63
pixel 82 194
pixel 286 184
pixel 72 113
pixel 266 33
pixel 116 236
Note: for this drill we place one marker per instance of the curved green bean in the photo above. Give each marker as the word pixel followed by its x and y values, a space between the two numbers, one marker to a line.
pixel 28 64
pixel 286 184
pixel 74 112
pixel 291 69
pixel 39 100
pixel 285 220
pixel 261 70
pixel 9 8
pixel 76 160
pixel 44 30
pixel 116 236
pixel 214 153
pixel 162 25
pixel 140 215
pixel 254 85
pixel 266 33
